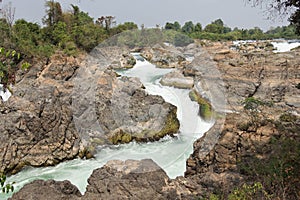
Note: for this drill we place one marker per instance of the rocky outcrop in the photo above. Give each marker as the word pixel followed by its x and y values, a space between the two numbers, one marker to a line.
pixel 260 73
pixel 62 109
pixel 116 180
pixel 126 112
pixel 165 56
pixel 127 180
pixel 48 190
pixel 177 79
pixel 36 123
pixel 126 61
pixel 263 75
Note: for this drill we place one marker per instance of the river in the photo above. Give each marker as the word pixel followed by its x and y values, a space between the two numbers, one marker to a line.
pixel 169 153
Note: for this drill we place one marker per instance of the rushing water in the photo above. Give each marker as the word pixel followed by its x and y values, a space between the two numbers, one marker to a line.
pixel 285 46
pixel 169 153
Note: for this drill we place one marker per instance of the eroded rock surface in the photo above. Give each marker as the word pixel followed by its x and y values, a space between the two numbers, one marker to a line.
pixel 58 113
pixel 129 179
pixel 178 80
pixel 36 122
pixel 48 190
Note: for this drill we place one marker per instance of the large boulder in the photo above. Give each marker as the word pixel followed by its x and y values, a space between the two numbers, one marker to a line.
pixel 118 110
pixel 178 80
pixel 129 179
pixel 48 190
pixel 165 56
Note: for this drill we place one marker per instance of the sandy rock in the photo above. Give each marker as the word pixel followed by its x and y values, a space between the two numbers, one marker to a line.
pixel 178 80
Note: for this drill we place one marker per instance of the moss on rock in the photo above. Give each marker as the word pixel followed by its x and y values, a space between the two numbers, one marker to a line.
pixel 119 136
pixel 205 108
pixel 171 125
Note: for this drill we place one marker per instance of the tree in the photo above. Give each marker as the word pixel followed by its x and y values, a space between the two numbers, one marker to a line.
pixel 218 22
pixel 53 13
pixel 5 32
pixel 8 13
pixel 26 36
pixel 213 28
pixel 198 27
pixel 282 7
pixel 177 26
pixel 172 26
pixel 188 27
pixel 182 40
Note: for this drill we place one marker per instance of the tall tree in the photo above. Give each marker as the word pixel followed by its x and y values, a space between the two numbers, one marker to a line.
pixel 188 27
pixel 53 13
pixel 8 13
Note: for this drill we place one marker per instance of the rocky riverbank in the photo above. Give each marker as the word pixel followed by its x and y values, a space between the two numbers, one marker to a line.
pixel 229 154
pixel 62 109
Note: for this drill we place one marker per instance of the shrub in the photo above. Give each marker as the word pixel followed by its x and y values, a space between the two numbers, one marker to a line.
pixel 5 187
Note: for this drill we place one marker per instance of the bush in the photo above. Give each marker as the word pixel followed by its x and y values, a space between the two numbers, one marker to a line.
pixel 182 40
pixel 5 187
pixel 288 117
pixel 278 171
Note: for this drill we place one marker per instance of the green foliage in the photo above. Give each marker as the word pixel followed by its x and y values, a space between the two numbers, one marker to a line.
pixel 5 187
pixel 249 192
pixel 198 27
pixel 205 109
pixel 288 117
pixel 53 13
pixel 251 103
pixel 213 28
pixel 217 30
pixel 188 27
pixel 182 40
pixel 138 38
pixel 9 60
pixel 5 32
pixel 64 31
pixel 173 26
pixel 279 169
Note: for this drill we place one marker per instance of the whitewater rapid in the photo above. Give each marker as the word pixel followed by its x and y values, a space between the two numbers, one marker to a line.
pixel 169 153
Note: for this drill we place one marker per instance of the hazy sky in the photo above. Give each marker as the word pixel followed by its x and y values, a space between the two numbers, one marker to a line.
pixel 234 13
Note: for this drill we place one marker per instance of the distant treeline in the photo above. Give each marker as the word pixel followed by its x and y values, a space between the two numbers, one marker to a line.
pixel 74 31
pixel 217 30
pixel 67 31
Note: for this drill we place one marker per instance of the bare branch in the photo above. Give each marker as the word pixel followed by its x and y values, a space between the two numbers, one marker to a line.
pixel 8 13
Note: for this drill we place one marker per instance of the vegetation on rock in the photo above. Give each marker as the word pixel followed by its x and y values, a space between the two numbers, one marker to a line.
pixel 9 64
pixel 5 187
pixel 205 109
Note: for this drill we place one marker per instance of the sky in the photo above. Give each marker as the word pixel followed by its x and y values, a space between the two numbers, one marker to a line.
pixel 234 13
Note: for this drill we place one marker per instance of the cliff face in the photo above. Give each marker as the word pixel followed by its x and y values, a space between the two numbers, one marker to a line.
pixel 226 156
pixel 36 122
pixel 63 109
